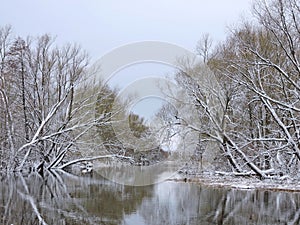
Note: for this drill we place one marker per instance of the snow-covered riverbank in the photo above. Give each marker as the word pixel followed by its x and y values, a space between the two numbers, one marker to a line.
pixel 243 183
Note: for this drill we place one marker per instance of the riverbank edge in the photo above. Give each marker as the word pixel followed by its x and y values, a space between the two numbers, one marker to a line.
pixel 240 183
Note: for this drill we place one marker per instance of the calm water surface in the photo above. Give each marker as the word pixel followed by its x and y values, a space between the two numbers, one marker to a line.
pixel 68 199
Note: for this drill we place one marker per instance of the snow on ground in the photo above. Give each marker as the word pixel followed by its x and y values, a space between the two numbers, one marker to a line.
pixel 239 182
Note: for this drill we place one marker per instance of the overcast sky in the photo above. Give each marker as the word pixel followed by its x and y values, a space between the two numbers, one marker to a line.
pixel 102 25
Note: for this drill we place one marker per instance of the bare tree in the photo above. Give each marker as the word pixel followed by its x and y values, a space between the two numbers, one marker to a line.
pixel 262 62
pixel 256 122
pixel 48 107
pixel 204 47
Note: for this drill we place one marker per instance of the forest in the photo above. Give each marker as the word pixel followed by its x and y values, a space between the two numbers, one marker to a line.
pixel 52 116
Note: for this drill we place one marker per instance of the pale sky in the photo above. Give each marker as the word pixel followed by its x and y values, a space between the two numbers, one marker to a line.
pixel 102 25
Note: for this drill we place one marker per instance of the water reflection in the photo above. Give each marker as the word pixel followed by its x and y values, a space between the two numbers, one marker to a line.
pixel 139 175
pixel 69 199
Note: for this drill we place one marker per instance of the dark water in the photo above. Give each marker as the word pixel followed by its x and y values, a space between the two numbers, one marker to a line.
pixel 68 199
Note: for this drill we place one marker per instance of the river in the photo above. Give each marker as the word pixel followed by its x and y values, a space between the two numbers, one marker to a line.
pixel 62 198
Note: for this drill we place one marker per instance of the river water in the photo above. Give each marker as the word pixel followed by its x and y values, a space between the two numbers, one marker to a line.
pixel 61 198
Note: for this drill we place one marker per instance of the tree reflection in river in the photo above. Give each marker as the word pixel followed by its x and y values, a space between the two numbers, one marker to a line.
pixel 69 199
pixel 193 204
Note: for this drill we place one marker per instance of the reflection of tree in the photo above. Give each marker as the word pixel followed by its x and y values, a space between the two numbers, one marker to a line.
pixel 69 199
pixel 110 201
pixel 202 205
pixel 66 199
